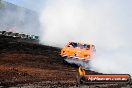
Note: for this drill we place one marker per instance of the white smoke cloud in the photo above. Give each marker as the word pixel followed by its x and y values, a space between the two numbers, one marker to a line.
pixel 18 19
pixel 105 23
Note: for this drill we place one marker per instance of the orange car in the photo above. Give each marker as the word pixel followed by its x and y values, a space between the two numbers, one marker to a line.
pixel 78 50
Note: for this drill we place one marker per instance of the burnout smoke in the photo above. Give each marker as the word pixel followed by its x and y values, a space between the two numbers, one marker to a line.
pixel 104 23
pixel 18 19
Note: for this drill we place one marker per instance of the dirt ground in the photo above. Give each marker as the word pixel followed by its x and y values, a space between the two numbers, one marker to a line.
pixel 34 65
pixel 25 63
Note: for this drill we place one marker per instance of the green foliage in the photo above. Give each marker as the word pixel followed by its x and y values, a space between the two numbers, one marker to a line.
pixel 34 37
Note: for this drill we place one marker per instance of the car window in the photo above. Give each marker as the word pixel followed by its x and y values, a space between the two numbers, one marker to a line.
pixel 82 46
pixel 72 44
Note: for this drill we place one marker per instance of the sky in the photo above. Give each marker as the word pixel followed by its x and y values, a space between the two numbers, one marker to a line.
pixel 105 23
pixel 35 5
